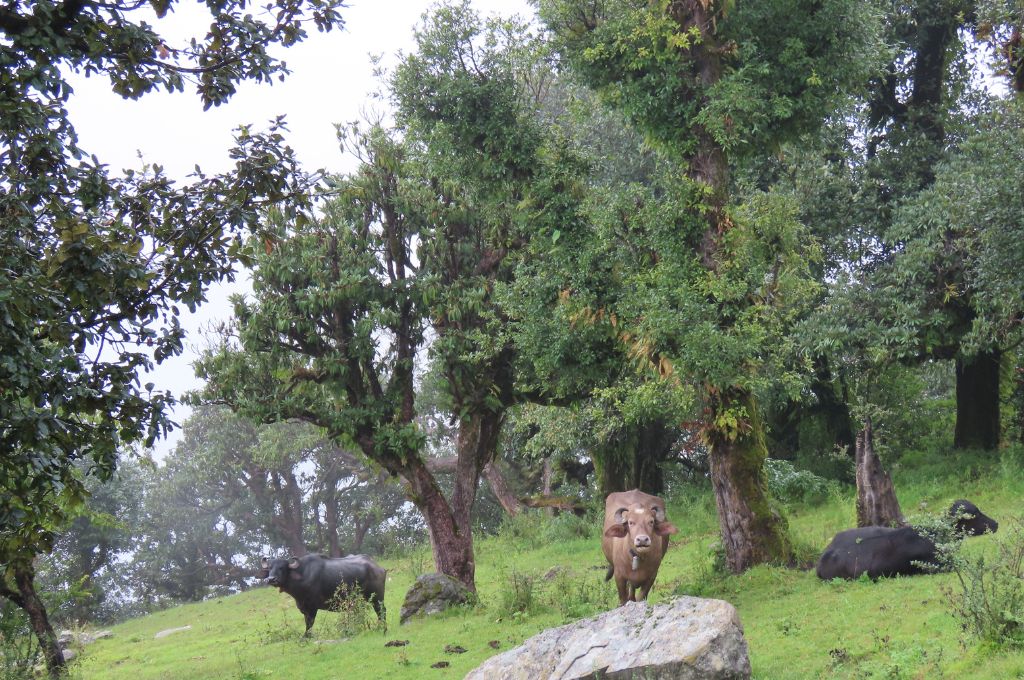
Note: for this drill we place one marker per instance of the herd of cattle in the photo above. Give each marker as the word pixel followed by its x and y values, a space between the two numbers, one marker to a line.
pixel 634 542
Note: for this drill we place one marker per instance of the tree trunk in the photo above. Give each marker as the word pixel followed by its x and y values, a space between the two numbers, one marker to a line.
pixel 359 534
pixel 450 524
pixel 752 532
pixel 876 498
pixel 28 600
pixel 653 445
pixel 499 487
pixel 331 520
pixel 835 412
pixel 450 542
pixel 977 401
pixel 614 469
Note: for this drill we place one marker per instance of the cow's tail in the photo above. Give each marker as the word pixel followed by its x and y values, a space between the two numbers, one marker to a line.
pixel 608 574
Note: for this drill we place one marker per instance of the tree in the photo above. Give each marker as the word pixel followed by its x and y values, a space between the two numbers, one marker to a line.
pixel 907 292
pixel 712 83
pixel 94 265
pixel 84 563
pixel 422 240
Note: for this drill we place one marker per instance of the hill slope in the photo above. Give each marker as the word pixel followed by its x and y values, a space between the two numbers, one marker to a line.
pixel 541 573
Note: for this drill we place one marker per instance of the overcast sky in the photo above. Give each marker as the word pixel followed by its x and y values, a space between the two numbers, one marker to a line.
pixel 332 82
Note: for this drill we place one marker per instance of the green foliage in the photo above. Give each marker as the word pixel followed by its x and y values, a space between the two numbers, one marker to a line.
pixel 354 613
pixel 988 598
pixel 19 650
pixel 790 485
pixel 577 595
pixel 517 598
pixel 782 64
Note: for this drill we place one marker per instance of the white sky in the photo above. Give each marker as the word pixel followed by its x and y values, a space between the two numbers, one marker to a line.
pixel 332 82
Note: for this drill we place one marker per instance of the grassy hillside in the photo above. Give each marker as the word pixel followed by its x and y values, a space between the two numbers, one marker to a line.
pixel 540 573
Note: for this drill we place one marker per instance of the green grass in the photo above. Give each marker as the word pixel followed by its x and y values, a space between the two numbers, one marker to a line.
pixel 796 625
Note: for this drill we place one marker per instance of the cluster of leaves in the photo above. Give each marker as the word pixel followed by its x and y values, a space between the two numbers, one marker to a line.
pixel 790 485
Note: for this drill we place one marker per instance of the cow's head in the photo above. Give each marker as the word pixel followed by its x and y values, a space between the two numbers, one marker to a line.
pixel 640 524
pixel 969 520
pixel 280 571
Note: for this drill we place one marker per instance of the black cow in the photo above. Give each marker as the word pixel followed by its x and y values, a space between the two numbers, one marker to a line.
pixel 316 581
pixel 883 551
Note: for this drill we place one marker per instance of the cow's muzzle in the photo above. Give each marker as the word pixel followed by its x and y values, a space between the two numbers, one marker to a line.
pixel 642 542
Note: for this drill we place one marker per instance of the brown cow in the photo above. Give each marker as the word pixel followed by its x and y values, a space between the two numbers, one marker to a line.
pixel 635 539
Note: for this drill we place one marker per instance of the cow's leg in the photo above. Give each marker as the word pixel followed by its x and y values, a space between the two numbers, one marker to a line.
pixel 620 583
pixel 632 591
pixel 310 619
pixel 645 589
pixel 377 600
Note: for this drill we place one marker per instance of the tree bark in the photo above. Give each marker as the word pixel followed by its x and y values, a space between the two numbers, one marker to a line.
pixel 450 542
pixel 499 487
pixel 977 401
pixel 450 524
pixel 877 504
pixel 28 600
pixel 752 531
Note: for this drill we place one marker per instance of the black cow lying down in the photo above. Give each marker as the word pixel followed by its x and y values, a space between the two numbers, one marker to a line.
pixel 315 580
pixel 883 551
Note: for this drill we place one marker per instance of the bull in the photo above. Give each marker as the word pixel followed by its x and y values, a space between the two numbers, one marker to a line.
pixel 887 551
pixel 317 582
pixel 634 542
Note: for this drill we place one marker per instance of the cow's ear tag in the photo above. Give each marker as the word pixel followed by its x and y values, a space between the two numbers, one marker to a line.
pixel 636 562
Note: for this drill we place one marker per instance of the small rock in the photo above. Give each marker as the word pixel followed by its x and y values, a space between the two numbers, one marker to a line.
pixel 170 631
pixel 494 644
pixel 440 664
pixel 396 643
pixel 102 635
pixel 433 593
pixel 69 654
pixel 454 649
pixel 551 573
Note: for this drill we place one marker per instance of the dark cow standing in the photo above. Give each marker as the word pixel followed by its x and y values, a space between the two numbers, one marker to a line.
pixel 314 581
pixel 634 542
pixel 883 551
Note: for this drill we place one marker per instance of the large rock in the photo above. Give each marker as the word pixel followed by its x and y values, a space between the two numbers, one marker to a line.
pixel 433 593
pixel 687 639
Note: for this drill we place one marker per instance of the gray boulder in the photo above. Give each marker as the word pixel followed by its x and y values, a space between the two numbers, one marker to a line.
pixel 433 593
pixel 687 639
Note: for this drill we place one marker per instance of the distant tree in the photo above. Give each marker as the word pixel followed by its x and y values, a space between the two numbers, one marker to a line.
pixel 95 266
pixel 86 561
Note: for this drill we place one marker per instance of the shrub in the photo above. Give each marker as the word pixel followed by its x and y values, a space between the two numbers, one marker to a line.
pixel 577 596
pixel 988 599
pixel 566 527
pixel 790 485
pixel 19 651
pixel 517 598
pixel 354 614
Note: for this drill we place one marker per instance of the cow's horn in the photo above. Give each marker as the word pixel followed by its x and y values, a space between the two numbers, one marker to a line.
pixel 620 515
pixel 293 562
pixel 659 513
